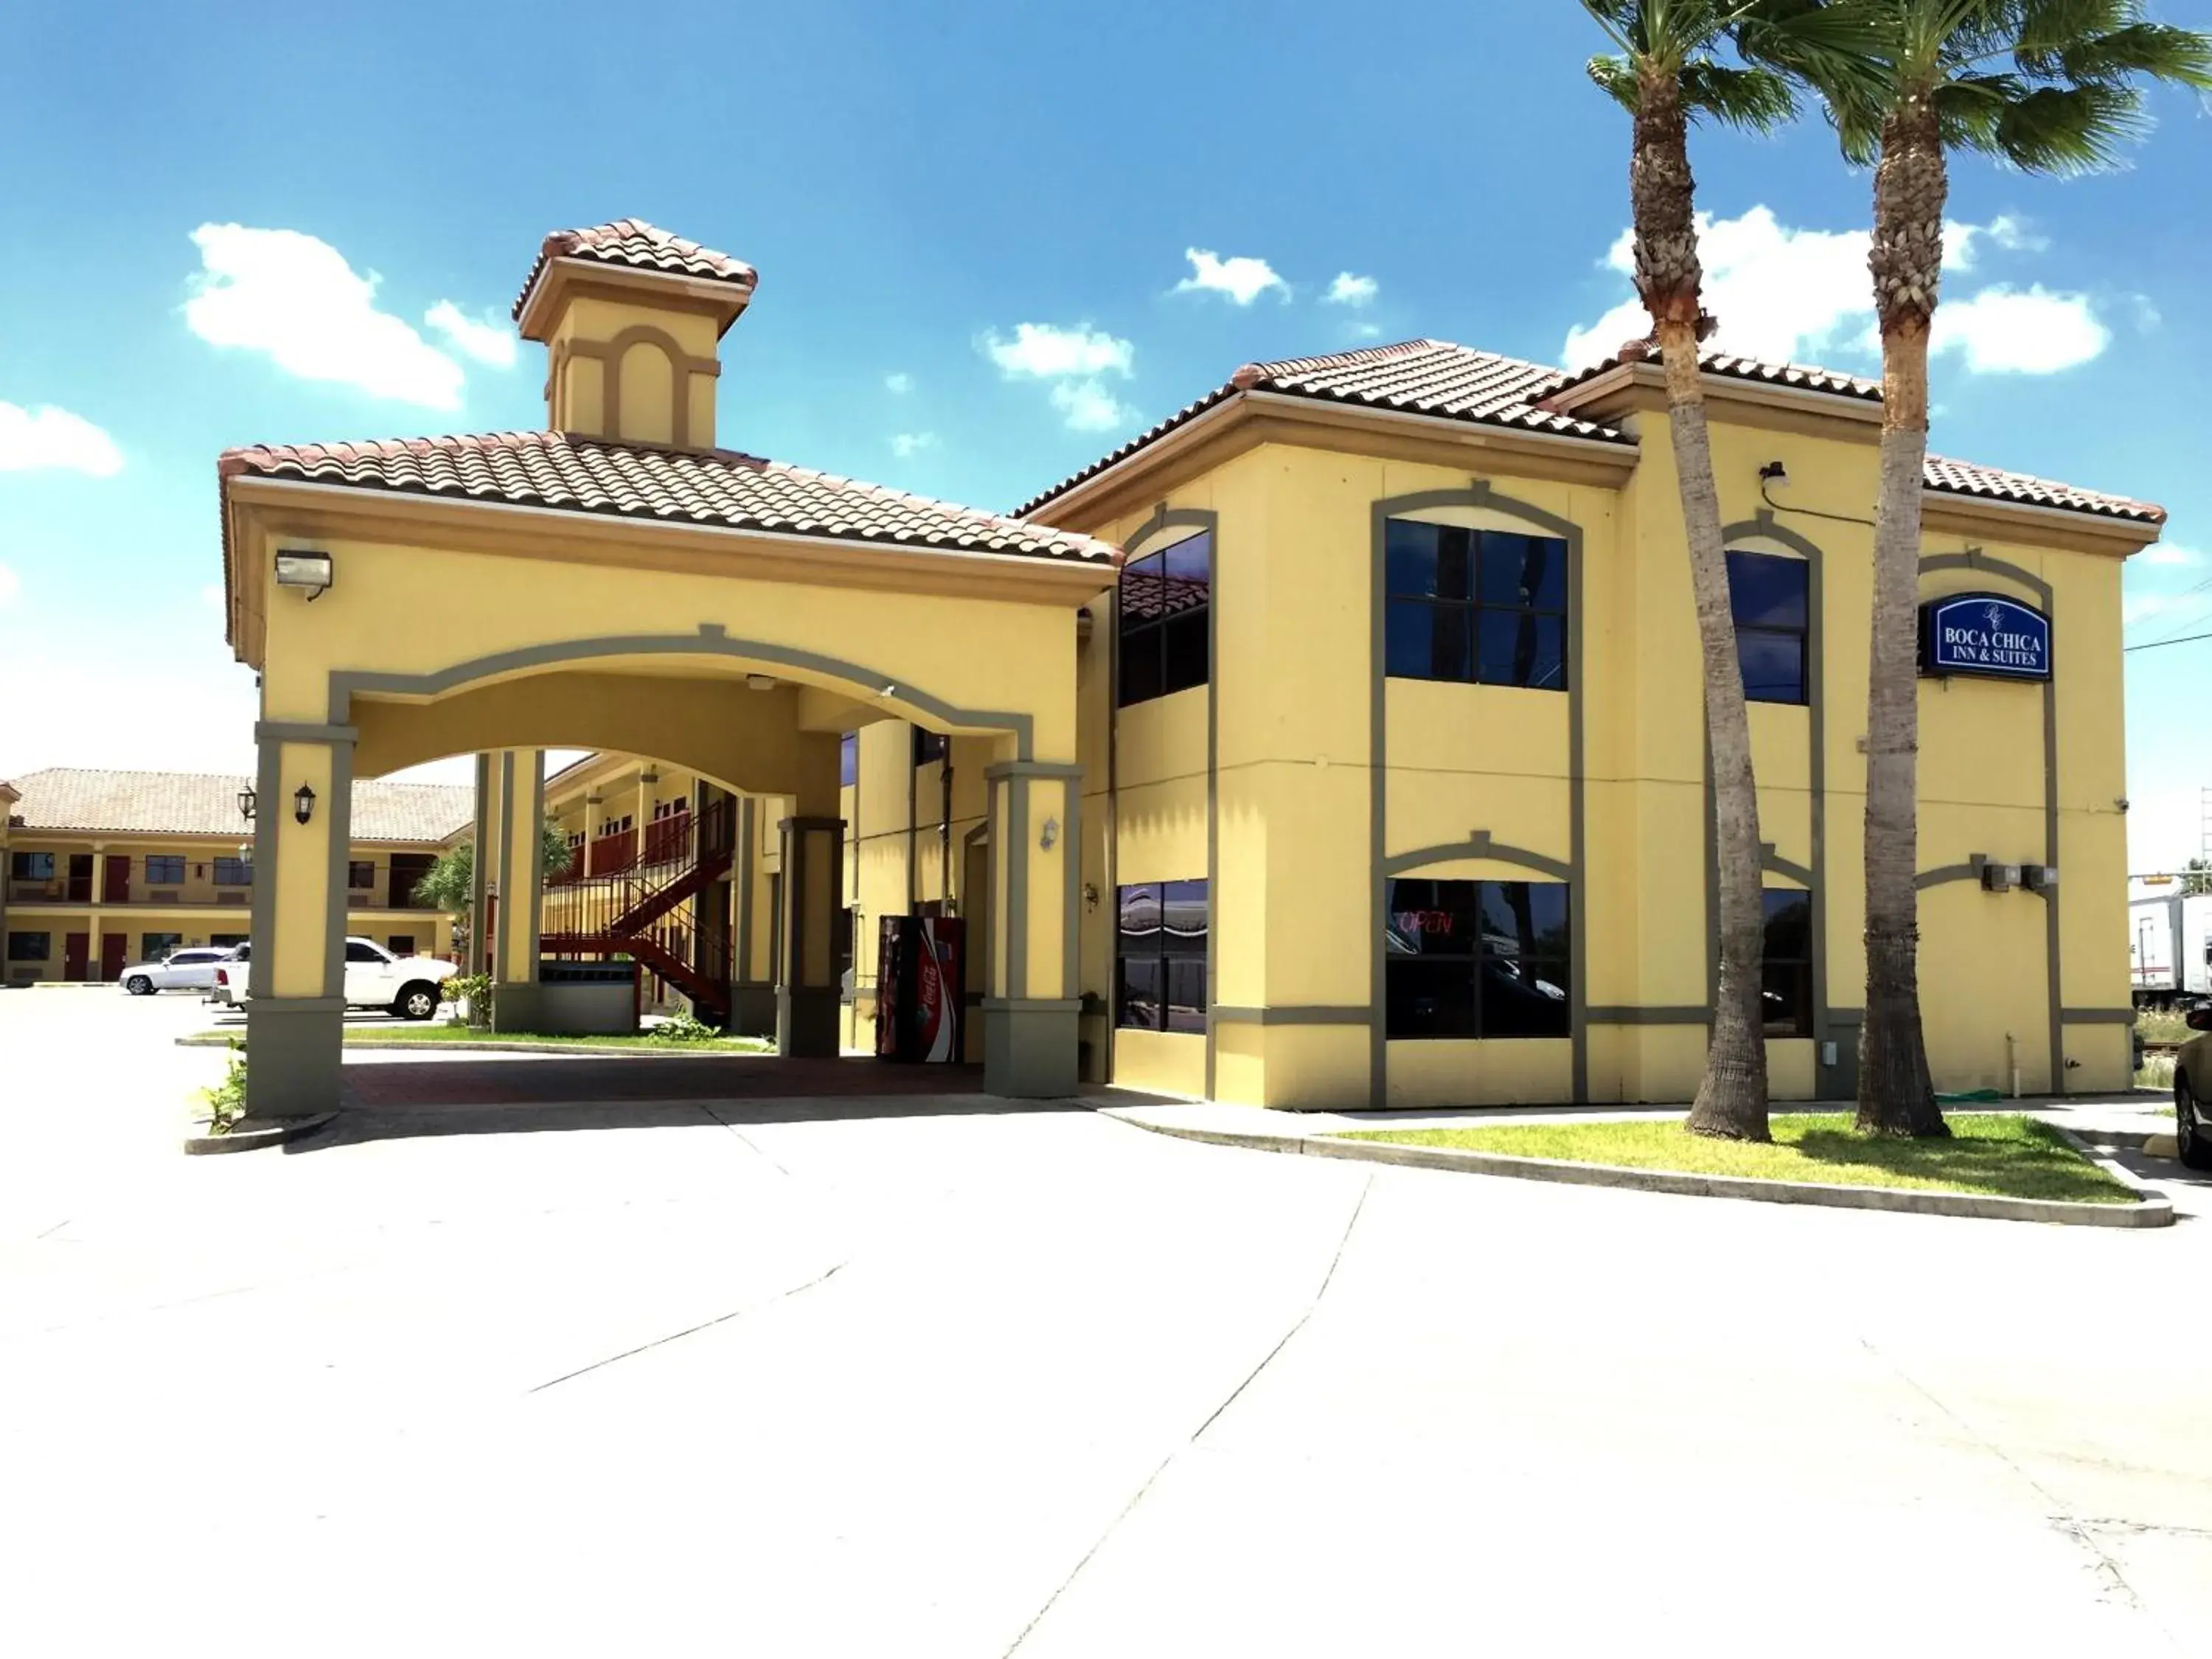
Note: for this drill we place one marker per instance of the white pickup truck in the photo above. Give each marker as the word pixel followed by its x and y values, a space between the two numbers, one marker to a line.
pixel 375 978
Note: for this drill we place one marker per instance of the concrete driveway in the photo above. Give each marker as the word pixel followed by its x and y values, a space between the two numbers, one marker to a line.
pixel 914 1376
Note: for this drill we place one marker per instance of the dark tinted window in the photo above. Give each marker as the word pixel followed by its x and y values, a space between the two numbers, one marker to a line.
pixel 1159 951
pixel 927 746
pixel 31 866
pixel 232 873
pixel 1481 606
pixel 1166 600
pixel 164 869
pixel 30 947
pixel 360 950
pixel 1786 991
pixel 400 944
pixel 849 760
pixel 360 874
pixel 1770 597
pixel 1477 959
pixel 152 947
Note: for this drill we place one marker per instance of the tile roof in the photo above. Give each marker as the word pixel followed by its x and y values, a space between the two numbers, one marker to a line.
pixel 1951 477
pixel 1803 376
pixel 1419 377
pixel 640 246
pixel 1434 377
pixel 719 488
pixel 206 804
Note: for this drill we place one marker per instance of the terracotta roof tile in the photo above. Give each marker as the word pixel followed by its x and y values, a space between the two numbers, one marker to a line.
pixel 1951 477
pixel 640 246
pixel 719 487
pixel 206 804
pixel 1434 377
pixel 1419 377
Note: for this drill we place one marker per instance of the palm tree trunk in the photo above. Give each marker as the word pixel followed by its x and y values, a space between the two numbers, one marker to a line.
pixel 1732 1097
pixel 1896 1093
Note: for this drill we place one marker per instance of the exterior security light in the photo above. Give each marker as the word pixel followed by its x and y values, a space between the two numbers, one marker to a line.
pixel 759 682
pixel 1774 473
pixel 245 803
pixel 303 803
pixel 2039 877
pixel 310 572
pixel 1049 834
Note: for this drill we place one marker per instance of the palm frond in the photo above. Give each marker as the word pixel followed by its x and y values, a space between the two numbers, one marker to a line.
pixel 1755 100
pixel 1616 78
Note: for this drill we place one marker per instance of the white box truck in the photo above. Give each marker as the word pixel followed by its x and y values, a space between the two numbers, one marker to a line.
pixel 2169 950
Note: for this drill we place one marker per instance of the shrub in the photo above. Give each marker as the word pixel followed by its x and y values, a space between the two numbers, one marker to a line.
pixel 475 989
pixel 684 1027
pixel 226 1102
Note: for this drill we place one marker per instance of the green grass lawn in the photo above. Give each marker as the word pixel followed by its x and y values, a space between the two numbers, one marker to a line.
pixel 462 1036
pixel 1996 1153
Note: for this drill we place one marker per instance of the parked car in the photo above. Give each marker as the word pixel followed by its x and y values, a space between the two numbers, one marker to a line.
pixel 191 969
pixel 2192 1093
pixel 375 978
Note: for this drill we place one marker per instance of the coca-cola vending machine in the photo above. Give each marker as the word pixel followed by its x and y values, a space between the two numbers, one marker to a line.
pixel 919 974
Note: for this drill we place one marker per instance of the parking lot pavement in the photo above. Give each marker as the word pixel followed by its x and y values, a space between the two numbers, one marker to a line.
pixel 914 1376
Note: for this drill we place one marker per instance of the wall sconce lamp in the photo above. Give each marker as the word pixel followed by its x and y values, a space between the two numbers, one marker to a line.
pixel 303 803
pixel 1774 473
pixel 1090 895
pixel 309 571
pixel 245 803
pixel 1049 834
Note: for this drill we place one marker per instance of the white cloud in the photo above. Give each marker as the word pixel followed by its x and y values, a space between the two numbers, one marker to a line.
pixel 898 384
pixel 2003 330
pixel 295 297
pixel 2005 232
pixel 1784 295
pixel 2170 554
pixel 1089 406
pixel 10 585
pixel 491 344
pixel 1041 350
pixel 1349 290
pixel 33 439
pixel 907 445
pixel 1243 278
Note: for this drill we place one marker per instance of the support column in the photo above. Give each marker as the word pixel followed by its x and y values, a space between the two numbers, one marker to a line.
pixel 1030 1010
pixel 296 1004
pixel 480 854
pixel 752 936
pixel 813 847
pixel 521 853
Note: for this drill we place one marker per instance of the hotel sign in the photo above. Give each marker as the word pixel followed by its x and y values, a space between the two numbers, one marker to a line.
pixel 1984 633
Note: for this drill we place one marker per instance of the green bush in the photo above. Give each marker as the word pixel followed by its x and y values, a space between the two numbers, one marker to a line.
pixel 226 1102
pixel 475 989
pixel 684 1027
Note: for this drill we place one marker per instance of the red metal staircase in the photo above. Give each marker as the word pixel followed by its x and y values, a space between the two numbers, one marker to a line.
pixel 636 912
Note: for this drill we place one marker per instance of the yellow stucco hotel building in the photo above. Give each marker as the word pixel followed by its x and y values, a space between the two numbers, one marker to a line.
pixel 1335 743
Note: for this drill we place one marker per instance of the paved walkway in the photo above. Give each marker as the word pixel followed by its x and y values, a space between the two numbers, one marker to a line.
pixel 906 1378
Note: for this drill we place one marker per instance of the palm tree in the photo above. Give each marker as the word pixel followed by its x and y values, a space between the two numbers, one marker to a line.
pixel 1667 73
pixel 2048 86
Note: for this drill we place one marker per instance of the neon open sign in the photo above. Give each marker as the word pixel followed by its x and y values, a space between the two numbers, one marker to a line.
pixel 1984 633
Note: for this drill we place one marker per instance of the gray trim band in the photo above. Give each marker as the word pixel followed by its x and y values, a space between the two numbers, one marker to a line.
pixel 303 731
pixel 711 640
pixel 2098 1016
pixel 1771 861
pixel 261 915
pixel 1945 874
pixel 1480 845
pixel 340 835
pixel 1032 768
pixel 1654 1016
pixel 1296 1014
pixel 1031 1005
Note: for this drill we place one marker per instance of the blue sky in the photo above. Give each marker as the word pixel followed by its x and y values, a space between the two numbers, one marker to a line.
pixel 915 184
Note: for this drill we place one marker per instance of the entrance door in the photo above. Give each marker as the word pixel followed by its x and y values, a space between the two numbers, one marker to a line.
pixel 76 949
pixel 80 879
pixel 115 882
pixel 114 949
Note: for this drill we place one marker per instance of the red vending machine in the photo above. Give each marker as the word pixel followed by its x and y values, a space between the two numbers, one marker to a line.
pixel 919 973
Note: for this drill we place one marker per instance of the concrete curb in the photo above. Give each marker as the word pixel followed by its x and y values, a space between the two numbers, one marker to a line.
pixel 2153 1210
pixel 603 1050
pixel 246 1140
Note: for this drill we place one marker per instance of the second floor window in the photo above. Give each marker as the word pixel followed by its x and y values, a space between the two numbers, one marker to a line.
pixel 232 873
pixel 1166 600
pixel 1768 595
pixel 849 760
pixel 1483 607
pixel 31 866
pixel 164 869
pixel 361 875
pixel 927 746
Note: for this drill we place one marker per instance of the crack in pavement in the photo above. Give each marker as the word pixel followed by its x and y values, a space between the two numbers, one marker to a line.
pixel 1213 1417
pixel 693 1330
pixel 2062 1518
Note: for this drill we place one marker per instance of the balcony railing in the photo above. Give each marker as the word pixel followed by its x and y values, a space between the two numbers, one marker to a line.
pixel 194 893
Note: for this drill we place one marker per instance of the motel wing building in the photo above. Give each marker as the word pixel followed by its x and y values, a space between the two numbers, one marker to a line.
pixel 1336 742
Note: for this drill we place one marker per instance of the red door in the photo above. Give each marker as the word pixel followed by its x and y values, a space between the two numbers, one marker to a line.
pixel 114 886
pixel 113 947
pixel 75 949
